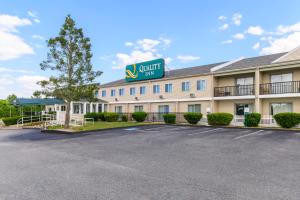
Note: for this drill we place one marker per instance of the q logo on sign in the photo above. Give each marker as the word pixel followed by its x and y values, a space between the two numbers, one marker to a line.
pixel 132 74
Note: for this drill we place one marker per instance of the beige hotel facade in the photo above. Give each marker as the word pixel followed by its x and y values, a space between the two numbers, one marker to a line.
pixel 266 84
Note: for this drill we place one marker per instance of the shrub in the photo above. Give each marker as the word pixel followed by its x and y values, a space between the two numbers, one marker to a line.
pixel 169 118
pixel 139 116
pixel 219 118
pixel 192 118
pixel 287 119
pixel 111 117
pixel 93 115
pixel 10 120
pixel 124 118
pixel 252 119
pixel 101 116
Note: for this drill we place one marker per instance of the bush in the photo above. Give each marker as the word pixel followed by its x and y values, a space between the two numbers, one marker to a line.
pixel 169 118
pixel 252 119
pixel 287 120
pixel 93 115
pixel 219 118
pixel 139 116
pixel 101 116
pixel 111 117
pixel 192 118
pixel 124 118
pixel 11 120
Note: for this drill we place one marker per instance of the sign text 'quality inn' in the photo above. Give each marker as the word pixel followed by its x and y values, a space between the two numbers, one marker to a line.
pixel 146 70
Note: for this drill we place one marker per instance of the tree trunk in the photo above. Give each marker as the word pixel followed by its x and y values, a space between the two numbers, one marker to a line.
pixel 67 117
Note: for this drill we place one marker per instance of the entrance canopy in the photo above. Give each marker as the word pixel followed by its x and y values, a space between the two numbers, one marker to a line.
pixel 37 101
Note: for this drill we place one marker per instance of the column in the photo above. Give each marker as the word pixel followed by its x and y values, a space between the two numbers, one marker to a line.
pixel 71 107
pixel 84 108
pixel 257 87
pixel 97 110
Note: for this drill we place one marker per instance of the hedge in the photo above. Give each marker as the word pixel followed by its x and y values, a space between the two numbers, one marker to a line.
pixel 169 118
pixel 219 118
pixel 139 116
pixel 124 118
pixel 10 120
pixel 287 119
pixel 93 115
pixel 111 117
pixel 192 118
pixel 252 119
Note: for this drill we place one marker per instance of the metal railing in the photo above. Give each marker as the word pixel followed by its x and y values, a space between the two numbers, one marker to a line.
pixel 35 119
pixel 280 87
pixel 238 90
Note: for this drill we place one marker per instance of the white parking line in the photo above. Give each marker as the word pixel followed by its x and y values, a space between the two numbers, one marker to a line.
pixel 205 131
pixel 254 133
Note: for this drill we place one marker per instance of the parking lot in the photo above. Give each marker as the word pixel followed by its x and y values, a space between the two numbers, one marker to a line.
pixel 151 162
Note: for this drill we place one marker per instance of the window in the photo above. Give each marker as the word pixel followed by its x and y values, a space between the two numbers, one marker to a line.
pixel 121 92
pixel 132 91
pixel 168 87
pixel 243 87
pixel 105 107
pixel 282 83
pixel 195 108
pixel 185 86
pixel 244 81
pixel 113 93
pixel 142 90
pixel 94 106
pixel 103 93
pixel 118 109
pixel 77 108
pixel 96 93
pixel 87 108
pixel 63 108
pixel 156 89
pixel 163 110
pixel 138 108
pixel 241 109
pixel 281 107
pixel 99 107
pixel 201 85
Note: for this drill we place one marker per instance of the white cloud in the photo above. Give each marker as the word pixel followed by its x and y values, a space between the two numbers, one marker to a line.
pixel 227 42
pixel 148 44
pixel 224 27
pixel 222 17
pixel 256 46
pixel 255 30
pixel 236 19
pixel 239 36
pixel 34 16
pixel 283 44
pixel 129 44
pixel 38 37
pixel 187 58
pixel 11 70
pixel 281 29
pixel 12 45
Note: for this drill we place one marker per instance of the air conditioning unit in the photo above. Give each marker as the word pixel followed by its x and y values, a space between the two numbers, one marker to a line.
pixel 161 96
pixel 136 98
pixel 192 95
pixel 116 99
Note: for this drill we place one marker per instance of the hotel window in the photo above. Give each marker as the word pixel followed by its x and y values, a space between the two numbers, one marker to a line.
pixel 156 89
pixel 96 93
pixel 168 87
pixel 240 109
pixel 63 108
pixel 77 108
pixel 132 91
pixel 282 83
pixel 87 108
pixel 195 108
pixel 201 85
pixel 121 92
pixel 113 93
pixel 138 108
pixel 118 109
pixel 281 107
pixel 142 90
pixel 105 108
pixel 103 93
pixel 185 86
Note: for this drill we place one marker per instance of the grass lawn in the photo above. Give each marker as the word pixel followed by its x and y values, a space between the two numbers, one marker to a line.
pixel 102 125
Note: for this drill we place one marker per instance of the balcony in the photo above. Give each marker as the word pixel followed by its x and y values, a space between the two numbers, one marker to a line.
pixel 280 88
pixel 239 90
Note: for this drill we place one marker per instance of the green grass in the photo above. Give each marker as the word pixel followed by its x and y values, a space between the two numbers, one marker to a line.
pixel 101 125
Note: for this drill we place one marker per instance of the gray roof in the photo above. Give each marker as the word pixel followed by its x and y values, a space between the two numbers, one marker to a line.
pixel 37 101
pixel 204 69
pixel 252 62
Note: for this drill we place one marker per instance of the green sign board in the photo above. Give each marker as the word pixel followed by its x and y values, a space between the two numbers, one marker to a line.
pixel 146 70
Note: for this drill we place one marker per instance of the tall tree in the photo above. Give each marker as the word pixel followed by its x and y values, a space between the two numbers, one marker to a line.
pixel 10 98
pixel 70 57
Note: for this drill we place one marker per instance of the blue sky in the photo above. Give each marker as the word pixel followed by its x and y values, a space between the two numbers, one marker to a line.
pixel 185 33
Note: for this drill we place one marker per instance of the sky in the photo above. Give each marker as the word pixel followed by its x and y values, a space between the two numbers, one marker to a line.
pixel 184 32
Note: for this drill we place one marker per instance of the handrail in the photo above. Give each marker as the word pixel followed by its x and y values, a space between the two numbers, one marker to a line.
pixel 237 90
pixel 36 118
pixel 280 87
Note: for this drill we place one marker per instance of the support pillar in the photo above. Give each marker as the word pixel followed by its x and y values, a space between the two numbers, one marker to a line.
pixel 257 88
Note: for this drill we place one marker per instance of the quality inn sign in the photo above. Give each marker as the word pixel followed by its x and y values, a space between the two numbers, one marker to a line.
pixel 146 70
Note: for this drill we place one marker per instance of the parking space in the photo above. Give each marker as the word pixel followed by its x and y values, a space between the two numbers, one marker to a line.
pixel 151 162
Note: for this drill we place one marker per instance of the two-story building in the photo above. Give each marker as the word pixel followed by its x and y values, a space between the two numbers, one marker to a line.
pixel 266 84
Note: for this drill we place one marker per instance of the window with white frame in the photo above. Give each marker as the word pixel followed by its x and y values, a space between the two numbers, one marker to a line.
pixel 103 93
pixel 118 109
pixel 201 85
pixel 185 86
pixel 142 90
pixel 113 93
pixel 156 89
pixel 87 108
pixel 138 108
pixel 195 108
pixel 63 108
pixel 281 107
pixel 132 91
pixel 121 92
pixel 168 87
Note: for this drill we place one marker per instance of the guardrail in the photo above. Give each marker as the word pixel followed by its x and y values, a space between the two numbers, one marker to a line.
pixel 280 87
pixel 38 118
pixel 238 90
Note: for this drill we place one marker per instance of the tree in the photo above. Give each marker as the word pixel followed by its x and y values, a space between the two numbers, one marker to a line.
pixel 11 98
pixel 70 57
pixel 36 94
